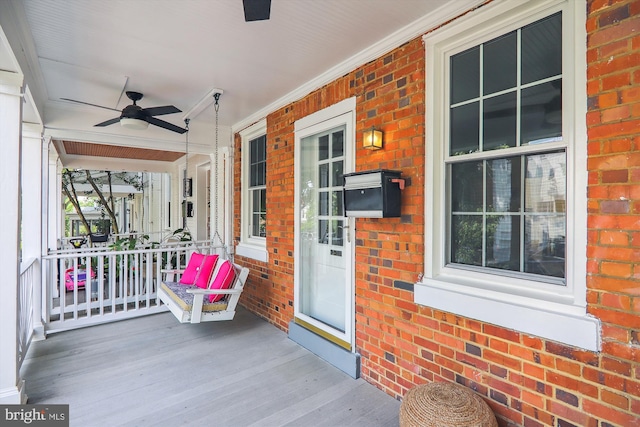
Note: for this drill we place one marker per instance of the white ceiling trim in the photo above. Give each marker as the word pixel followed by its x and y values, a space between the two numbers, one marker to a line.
pixel 122 140
pixel 153 143
pixel 115 164
pixel 8 61
pixel 419 27
pixel 13 21
pixel 30 113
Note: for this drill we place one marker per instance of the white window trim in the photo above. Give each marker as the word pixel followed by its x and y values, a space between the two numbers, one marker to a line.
pixel 249 246
pixel 552 312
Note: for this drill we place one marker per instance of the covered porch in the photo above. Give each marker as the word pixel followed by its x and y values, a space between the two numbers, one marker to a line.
pixel 53 116
pixel 154 371
pixel 510 268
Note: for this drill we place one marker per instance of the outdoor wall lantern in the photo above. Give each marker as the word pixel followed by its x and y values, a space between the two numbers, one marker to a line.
pixel 372 139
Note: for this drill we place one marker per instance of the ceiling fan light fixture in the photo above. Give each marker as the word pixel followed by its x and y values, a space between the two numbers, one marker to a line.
pixel 135 117
pixel 136 124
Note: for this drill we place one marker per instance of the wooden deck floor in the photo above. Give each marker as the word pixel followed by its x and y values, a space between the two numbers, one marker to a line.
pixel 153 371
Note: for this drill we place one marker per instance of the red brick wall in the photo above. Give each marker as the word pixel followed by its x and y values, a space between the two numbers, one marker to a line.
pixel 526 380
pixel 269 288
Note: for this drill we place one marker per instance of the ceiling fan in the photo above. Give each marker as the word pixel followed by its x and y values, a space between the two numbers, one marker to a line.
pixel 135 117
pixel 256 10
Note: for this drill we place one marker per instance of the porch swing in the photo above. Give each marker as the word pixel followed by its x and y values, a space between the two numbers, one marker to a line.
pixel 209 288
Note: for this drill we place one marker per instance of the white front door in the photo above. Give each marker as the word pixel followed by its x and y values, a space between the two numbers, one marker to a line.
pixel 324 239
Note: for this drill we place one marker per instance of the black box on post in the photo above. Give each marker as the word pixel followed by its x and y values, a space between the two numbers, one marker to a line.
pixel 373 194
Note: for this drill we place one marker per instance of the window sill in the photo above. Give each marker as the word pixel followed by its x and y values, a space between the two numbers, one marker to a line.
pixel 525 315
pixel 252 251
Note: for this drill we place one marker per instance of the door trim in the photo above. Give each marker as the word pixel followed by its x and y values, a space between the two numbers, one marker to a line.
pixel 329 337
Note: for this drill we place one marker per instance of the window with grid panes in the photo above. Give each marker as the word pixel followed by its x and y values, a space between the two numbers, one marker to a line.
pixel 253 231
pixel 257 186
pixel 506 161
pixel 506 174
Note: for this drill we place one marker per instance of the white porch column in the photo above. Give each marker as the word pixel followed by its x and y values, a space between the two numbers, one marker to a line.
pixel 55 222
pixel 11 385
pixel 32 214
pixel 52 215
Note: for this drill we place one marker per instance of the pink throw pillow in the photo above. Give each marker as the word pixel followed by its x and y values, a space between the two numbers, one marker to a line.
pixel 224 279
pixel 206 271
pixel 193 266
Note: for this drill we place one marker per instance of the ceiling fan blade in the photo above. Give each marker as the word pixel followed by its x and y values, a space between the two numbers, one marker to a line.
pixel 108 122
pixel 88 103
pixel 165 125
pixel 159 111
pixel 256 10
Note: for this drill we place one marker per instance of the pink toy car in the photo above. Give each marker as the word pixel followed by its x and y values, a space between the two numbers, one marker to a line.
pixel 82 278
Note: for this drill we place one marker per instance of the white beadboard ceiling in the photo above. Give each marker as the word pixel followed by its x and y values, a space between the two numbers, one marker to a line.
pixel 176 51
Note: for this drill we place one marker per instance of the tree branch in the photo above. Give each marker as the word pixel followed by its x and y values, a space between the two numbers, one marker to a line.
pixel 103 202
pixel 73 198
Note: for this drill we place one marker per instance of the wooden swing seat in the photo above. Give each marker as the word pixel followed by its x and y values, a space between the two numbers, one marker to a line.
pixel 190 303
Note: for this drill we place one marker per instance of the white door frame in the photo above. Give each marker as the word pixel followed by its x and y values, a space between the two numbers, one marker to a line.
pixel 340 114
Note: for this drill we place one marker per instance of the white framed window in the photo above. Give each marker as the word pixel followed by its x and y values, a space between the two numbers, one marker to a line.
pixel 257 188
pixel 505 196
pixel 254 189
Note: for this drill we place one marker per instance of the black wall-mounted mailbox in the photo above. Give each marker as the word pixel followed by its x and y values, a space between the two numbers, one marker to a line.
pixel 373 194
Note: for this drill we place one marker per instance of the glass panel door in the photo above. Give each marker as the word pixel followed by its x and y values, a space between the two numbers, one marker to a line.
pixel 324 298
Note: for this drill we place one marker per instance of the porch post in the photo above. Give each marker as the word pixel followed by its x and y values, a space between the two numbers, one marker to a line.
pixel 32 214
pixel 11 385
pixel 55 221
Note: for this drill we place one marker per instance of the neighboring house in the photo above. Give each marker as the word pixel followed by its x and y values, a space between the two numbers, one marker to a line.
pixel 94 217
pixel 513 267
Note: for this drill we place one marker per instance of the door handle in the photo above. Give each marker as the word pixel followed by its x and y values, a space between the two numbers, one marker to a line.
pixel 346 229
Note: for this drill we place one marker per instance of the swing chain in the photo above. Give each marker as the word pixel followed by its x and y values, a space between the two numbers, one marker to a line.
pixel 186 174
pixel 216 106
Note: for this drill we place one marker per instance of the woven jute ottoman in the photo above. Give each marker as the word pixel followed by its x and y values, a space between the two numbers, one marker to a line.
pixel 444 405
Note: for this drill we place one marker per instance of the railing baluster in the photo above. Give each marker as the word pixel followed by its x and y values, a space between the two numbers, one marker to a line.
pixel 121 279
pixel 75 288
pixel 148 278
pixel 137 272
pixel 113 265
pixel 125 282
pixel 100 285
pixel 158 276
pixel 88 284
pixel 62 291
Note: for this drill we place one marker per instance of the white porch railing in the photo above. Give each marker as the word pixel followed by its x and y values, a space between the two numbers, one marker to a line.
pixel 98 285
pixel 25 307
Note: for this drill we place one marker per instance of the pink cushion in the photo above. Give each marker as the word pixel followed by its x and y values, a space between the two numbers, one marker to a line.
pixel 189 275
pixel 206 271
pixel 224 279
pixel 199 270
